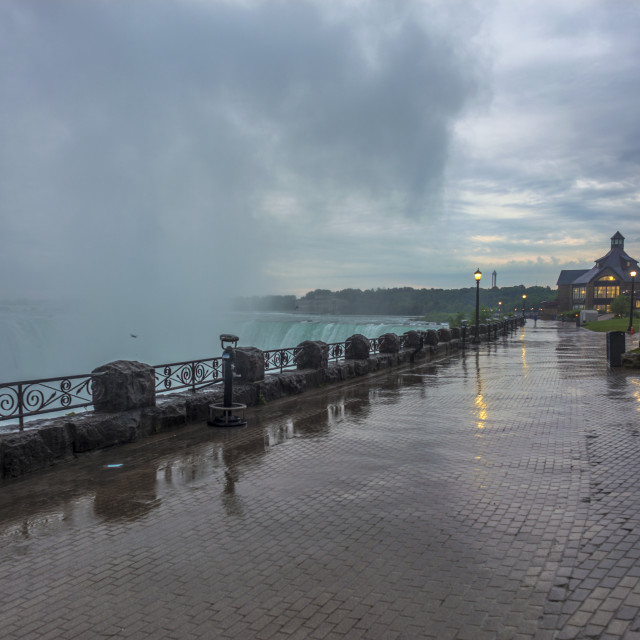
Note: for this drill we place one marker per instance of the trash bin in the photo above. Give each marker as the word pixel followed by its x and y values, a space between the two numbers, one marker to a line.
pixel 615 347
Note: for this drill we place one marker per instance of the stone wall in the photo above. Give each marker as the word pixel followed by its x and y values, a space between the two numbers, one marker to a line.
pixel 126 408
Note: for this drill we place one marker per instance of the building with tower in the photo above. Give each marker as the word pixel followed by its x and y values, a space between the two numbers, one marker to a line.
pixel 595 288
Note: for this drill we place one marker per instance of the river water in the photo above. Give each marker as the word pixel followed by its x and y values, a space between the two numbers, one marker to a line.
pixel 40 339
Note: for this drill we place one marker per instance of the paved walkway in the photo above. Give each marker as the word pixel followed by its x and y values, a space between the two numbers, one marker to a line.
pixel 495 495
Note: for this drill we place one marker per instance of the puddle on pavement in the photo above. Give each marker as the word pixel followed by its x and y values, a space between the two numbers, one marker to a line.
pixel 128 483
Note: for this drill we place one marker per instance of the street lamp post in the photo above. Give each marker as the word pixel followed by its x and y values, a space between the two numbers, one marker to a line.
pixel 633 275
pixel 524 299
pixel 477 275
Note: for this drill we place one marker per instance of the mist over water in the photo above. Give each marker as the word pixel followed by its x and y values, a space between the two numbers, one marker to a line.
pixel 41 340
pixel 203 151
pixel 272 331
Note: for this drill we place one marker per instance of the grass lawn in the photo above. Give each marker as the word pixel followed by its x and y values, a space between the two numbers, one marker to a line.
pixel 615 324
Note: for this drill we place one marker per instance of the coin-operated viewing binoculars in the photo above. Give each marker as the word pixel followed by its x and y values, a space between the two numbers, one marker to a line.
pixel 221 415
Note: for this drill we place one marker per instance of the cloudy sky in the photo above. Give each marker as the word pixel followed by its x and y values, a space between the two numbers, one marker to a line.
pixel 175 150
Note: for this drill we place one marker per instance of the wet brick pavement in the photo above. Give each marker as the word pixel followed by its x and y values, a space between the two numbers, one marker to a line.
pixel 494 495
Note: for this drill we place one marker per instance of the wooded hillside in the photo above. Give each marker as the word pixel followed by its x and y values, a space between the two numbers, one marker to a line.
pixel 437 304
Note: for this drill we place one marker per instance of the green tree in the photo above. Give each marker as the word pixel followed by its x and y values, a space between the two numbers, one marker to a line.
pixel 436 305
pixel 485 315
pixel 620 305
pixel 456 320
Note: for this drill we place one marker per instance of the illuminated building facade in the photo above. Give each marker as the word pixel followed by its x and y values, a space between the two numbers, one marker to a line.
pixel 595 288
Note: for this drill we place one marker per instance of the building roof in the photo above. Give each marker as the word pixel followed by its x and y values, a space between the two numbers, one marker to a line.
pixel 616 261
pixel 568 276
pixel 588 276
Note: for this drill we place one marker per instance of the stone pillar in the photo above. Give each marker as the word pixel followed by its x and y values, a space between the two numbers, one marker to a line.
pixel 389 343
pixel 249 364
pixel 431 337
pixel 411 339
pixel 123 385
pixel 444 335
pixel 357 347
pixel 312 354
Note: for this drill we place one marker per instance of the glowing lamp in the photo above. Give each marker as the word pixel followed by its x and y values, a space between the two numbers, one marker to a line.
pixel 477 275
pixel 630 329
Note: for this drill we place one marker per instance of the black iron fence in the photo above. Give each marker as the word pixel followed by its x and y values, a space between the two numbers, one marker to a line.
pixel 193 374
pixel 27 398
pixel 280 358
pixel 336 351
pixel 20 400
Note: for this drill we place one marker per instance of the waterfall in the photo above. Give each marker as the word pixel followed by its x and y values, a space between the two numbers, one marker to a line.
pixel 39 340
pixel 27 333
pixel 272 331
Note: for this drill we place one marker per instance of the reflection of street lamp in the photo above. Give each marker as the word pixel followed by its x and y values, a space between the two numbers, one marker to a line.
pixel 633 275
pixel 477 275
pixel 524 300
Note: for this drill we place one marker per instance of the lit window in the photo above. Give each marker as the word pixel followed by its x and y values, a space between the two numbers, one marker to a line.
pixel 606 291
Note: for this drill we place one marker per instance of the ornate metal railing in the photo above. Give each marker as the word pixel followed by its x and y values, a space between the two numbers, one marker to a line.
pixel 336 350
pixel 280 359
pixel 286 358
pixel 192 374
pixel 20 400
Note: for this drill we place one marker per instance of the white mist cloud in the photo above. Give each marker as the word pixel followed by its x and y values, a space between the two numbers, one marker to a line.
pixel 160 149
pixel 158 153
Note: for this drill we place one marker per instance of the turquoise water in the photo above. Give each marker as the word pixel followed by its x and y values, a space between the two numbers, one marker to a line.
pixel 271 331
pixel 39 340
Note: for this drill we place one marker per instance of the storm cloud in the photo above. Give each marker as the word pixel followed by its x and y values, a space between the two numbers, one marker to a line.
pixel 158 153
pixel 179 148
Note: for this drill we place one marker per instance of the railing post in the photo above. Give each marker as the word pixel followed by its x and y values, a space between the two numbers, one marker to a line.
pixel 123 385
pixel 357 347
pixel 312 354
pixel 21 407
pixel 282 354
pixel 249 364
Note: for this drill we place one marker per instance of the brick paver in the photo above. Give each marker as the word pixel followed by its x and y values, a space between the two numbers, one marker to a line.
pixel 494 496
